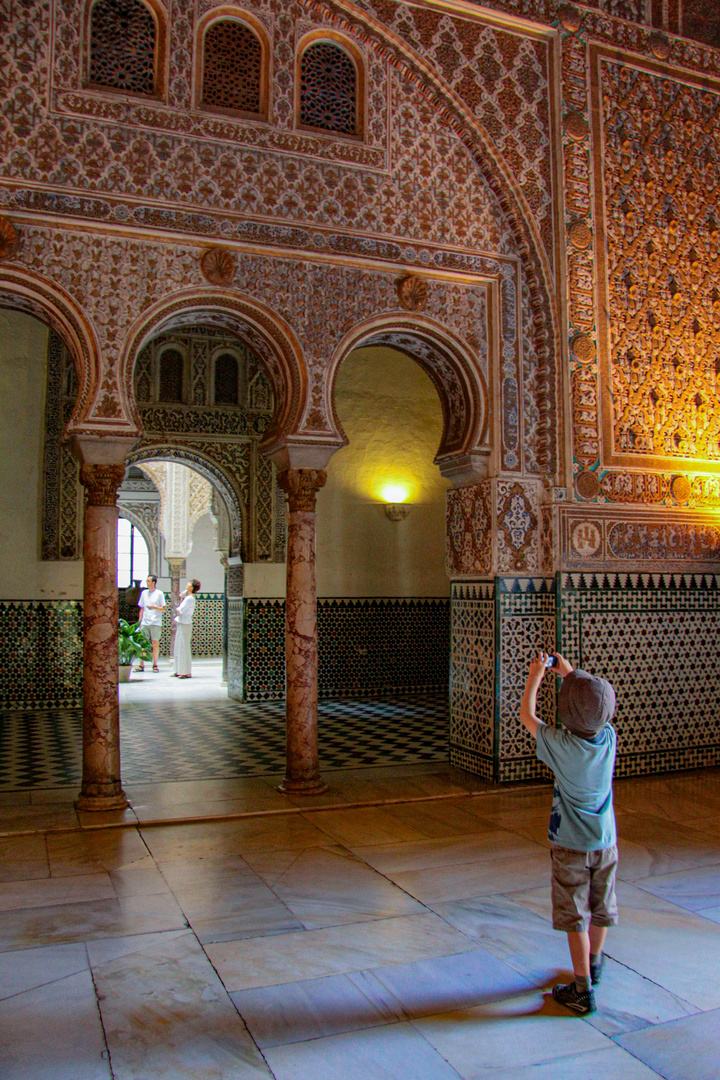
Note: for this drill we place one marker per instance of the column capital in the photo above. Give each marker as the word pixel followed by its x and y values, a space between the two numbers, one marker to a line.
pixel 101 483
pixel 301 486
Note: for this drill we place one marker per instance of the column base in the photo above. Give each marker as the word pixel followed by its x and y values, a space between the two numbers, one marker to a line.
pixel 101 802
pixel 302 787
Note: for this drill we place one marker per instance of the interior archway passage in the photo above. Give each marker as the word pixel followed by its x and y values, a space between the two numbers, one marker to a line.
pixel 454 372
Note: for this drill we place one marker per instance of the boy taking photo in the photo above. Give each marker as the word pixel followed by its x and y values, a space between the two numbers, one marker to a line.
pixel 582 830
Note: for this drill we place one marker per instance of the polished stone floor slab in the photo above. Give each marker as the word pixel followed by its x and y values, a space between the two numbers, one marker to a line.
pixel 460 880
pixel 53 1032
pixel 89 920
pixel 334 950
pixel 686 1049
pixel 527 1029
pixel 325 887
pixel 162 1004
pixel 402 941
pixel 311 1009
pixel 447 983
pixel 695 889
pixel 397 1052
pixel 31 968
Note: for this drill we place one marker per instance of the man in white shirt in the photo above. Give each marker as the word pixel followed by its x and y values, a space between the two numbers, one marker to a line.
pixel 152 605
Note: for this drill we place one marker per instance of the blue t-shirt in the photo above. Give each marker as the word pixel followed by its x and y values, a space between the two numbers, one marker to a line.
pixel 582 815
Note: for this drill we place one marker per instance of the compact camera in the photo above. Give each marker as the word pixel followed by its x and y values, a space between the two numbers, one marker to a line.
pixel 551 661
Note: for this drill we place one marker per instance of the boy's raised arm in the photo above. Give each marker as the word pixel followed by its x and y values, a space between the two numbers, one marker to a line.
pixel 536 673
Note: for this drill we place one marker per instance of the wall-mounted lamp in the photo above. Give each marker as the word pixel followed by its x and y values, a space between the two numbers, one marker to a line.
pixel 396 509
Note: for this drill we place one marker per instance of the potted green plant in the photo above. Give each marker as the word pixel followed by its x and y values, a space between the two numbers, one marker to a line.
pixel 133 644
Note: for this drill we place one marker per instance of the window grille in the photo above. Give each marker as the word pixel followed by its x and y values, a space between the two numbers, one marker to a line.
pixel 122 46
pixel 172 367
pixel 328 89
pixel 226 380
pixel 232 63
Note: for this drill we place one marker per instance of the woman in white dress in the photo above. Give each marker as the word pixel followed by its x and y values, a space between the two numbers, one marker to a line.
pixel 183 630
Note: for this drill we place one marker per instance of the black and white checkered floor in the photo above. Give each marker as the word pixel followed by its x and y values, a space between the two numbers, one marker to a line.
pixel 192 740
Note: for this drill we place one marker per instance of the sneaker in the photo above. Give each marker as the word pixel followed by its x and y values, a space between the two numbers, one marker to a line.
pixel 596 970
pixel 567 994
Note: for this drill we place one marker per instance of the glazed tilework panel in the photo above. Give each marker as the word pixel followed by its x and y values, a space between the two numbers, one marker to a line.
pixel 40 654
pixel 525 612
pixel 366 647
pixel 472 676
pixel 207 632
pixel 235 648
pixel 264 650
pixel 654 637
pixel 383 646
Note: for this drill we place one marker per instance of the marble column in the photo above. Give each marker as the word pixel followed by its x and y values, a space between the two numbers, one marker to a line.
pixel 177 573
pixel 101 786
pixel 302 774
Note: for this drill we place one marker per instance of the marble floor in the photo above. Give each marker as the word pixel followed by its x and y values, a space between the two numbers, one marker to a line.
pixel 396 928
pixel 190 730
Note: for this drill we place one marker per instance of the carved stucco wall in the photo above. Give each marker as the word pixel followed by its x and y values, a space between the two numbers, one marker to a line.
pixel 457 180
pixel 413 181
pixel 641 160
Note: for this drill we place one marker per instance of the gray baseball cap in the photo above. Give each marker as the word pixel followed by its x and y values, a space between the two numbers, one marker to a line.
pixel 585 703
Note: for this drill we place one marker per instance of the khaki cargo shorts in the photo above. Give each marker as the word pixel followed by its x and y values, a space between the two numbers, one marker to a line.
pixel 583 888
pixel 152 631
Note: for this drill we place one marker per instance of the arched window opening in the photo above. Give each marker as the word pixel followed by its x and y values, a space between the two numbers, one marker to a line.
pixel 226 380
pixel 133 559
pixel 232 68
pixel 122 46
pixel 328 89
pixel 172 365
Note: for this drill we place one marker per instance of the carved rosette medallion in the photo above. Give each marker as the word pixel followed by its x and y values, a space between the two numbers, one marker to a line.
pixel 587 484
pixel 570 18
pixel 8 238
pixel 680 489
pixel 412 292
pixel 101 483
pixel 659 46
pixel 583 348
pixel 218 266
pixel 580 235
pixel 301 487
pixel 576 126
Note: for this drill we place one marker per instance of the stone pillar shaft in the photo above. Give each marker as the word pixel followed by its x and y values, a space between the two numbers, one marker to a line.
pixel 101 785
pixel 302 774
pixel 177 573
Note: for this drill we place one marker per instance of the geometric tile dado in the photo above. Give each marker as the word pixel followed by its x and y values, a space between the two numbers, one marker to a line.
pixel 367 647
pixel 654 637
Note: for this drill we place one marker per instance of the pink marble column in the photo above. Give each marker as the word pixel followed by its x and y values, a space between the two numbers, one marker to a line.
pixel 101 787
pixel 177 573
pixel 302 774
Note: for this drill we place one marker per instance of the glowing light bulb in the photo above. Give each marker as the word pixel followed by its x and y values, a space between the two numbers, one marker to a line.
pixel 394 493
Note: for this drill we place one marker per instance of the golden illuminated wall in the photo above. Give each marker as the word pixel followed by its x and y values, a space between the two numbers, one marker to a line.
pixel 660 187
pixel 641 156
pixel 391 415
